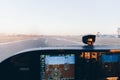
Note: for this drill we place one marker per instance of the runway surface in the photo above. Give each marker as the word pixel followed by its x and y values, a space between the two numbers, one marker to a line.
pixel 11 48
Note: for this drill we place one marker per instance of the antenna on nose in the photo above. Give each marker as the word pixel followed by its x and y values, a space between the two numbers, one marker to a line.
pixel 89 39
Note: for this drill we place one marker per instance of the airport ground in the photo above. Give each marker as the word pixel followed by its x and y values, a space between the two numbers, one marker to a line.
pixel 16 43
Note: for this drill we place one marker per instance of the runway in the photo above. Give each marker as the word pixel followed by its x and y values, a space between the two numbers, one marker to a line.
pixel 11 48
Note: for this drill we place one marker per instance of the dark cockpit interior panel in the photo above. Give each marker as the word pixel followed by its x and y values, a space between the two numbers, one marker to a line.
pixel 62 65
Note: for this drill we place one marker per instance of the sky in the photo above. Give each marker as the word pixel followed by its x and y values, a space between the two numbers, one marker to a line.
pixel 59 17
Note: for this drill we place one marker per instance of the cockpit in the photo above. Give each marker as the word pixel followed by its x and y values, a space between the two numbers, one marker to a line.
pixel 64 63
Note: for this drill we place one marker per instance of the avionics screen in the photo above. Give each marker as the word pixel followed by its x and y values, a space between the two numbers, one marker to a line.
pixel 110 58
pixel 57 67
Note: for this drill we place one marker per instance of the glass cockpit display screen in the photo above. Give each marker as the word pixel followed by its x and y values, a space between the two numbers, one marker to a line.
pixel 111 58
pixel 57 67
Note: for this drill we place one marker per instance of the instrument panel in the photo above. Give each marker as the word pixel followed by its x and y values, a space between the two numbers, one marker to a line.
pixel 61 65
